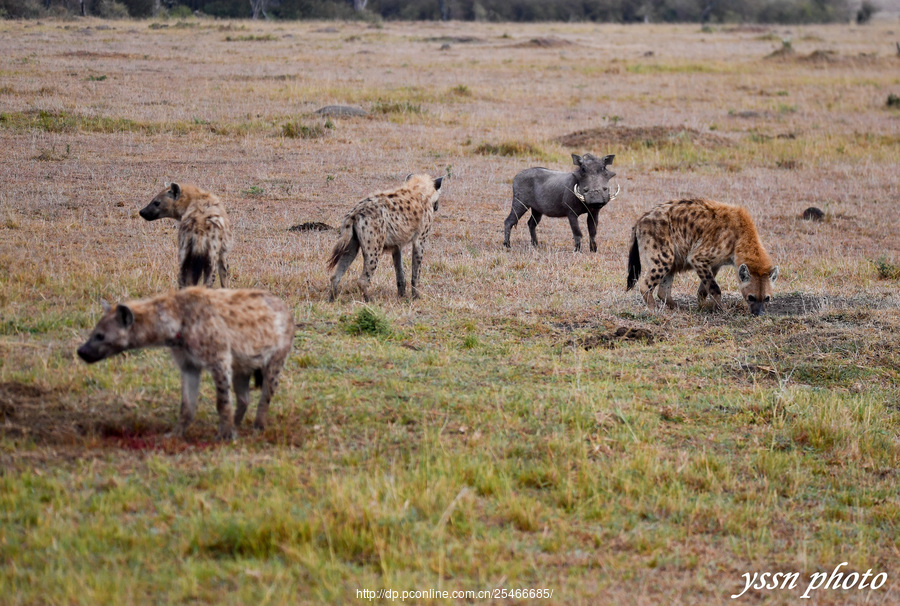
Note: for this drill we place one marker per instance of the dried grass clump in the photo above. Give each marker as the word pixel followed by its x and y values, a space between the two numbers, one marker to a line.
pixel 646 136
pixel 517 149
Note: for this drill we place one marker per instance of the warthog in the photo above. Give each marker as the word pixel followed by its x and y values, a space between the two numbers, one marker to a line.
pixel 561 194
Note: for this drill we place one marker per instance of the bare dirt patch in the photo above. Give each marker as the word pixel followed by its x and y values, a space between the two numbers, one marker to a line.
pixel 647 136
pixel 611 339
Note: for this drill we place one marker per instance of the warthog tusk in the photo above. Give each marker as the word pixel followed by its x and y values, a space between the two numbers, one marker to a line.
pixel 577 195
pixel 615 195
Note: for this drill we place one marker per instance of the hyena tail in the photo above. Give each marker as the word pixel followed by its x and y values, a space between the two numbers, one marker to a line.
pixel 634 263
pixel 197 265
pixel 343 244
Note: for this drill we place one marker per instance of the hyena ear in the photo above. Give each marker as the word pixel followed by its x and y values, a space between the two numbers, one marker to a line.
pixel 743 274
pixel 607 160
pixel 124 315
pixel 773 275
pixel 577 160
pixel 437 183
pixel 408 177
pixel 175 189
pixel 104 304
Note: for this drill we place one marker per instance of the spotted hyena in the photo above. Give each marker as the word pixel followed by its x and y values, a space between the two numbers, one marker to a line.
pixel 384 222
pixel 702 235
pixel 231 333
pixel 204 232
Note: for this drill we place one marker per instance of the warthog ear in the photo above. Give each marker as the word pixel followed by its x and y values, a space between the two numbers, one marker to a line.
pixel 773 275
pixel 175 189
pixel 576 160
pixel 743 274
pixel 124 315
pixel 611 174
pixel 607 160
pixel 437 183
pixel 104 304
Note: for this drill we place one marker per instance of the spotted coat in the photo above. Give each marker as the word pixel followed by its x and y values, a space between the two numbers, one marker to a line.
pixel 384 222
pixel 204 232
pixel 233 334
pixel 700 235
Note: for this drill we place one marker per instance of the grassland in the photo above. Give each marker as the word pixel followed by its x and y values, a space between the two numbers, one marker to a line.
pixel 526 423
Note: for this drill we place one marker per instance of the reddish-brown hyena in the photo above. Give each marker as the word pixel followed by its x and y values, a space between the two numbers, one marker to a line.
pixel 703 235
pixel 233 334
pixel 384 222
pixel 204 232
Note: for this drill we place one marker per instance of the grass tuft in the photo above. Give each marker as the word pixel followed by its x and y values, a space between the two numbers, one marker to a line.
pixel 368 321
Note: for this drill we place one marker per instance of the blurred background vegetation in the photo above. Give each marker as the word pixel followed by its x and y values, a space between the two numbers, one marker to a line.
pixel 621 11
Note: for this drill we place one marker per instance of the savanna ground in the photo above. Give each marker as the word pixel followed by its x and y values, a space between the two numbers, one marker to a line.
pixel 526 423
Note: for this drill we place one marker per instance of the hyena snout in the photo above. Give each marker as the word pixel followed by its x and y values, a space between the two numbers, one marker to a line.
pixel 89 353
pixel 757 308
pixel 150 212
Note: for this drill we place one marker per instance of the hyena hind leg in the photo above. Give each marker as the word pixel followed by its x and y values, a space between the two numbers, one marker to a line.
pixel 241 385
pixel 664 293
pixel 271 376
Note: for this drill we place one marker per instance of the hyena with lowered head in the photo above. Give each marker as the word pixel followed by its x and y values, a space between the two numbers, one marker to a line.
pixel 384 222
pixel 204 232
pixel 702 235
pixel 231 333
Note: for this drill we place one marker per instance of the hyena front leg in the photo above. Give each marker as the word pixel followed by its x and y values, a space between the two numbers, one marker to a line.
pixel 221 373
pixel 398 269
pixel 709 284
pixel 418 251
pixel 343 264
pixel 223 268
pixel 190 387
pixel 701 290
pixel 241 385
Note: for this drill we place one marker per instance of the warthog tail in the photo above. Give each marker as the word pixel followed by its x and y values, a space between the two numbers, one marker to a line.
pixel 343 243
pixel 634 263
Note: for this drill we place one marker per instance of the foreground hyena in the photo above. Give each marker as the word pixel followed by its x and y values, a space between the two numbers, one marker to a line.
pixel 702 235
pixel 231 333
pixel 385 221
pixel 204 232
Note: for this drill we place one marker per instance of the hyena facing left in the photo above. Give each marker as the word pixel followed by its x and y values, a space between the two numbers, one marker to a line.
pixel 204 232
pixel 231 333
pixel 386 221
pixel 702 235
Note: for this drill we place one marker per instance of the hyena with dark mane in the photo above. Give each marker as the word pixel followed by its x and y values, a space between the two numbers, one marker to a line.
pixel 384 222
pixel 234 334
pixel 702 235
pixel 204 232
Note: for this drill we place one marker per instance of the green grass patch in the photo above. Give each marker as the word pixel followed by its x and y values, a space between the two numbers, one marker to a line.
pixel 368 321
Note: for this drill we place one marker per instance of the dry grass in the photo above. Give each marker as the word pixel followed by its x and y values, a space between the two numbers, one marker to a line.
pixel 588 445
